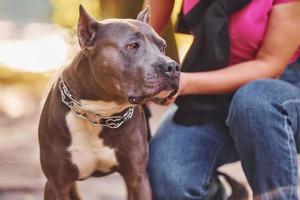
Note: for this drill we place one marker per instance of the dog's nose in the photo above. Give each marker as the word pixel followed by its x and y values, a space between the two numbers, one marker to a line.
pixel 170 68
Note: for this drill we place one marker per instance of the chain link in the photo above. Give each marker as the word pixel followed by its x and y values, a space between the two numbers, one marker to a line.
pixel 93 118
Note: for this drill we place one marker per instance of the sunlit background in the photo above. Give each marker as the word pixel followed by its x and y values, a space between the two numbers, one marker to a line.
pixel 37 37
pixel 29 39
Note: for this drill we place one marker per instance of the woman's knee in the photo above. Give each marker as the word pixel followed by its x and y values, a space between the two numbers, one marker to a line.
pixel 252 100
pixel 257 112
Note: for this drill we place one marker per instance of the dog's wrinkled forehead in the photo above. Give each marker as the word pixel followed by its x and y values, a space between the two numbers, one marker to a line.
pixel 129 29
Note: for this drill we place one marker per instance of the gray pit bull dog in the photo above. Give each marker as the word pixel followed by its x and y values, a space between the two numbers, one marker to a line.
pixel 92 123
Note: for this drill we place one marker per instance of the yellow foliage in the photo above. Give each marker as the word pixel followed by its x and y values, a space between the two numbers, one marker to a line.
pixel 34 83
pixel 65 12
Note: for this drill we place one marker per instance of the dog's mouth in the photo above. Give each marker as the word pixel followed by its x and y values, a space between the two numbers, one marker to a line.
pixel 160 95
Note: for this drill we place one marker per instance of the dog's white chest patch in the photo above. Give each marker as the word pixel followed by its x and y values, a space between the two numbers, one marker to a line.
pixel 87 150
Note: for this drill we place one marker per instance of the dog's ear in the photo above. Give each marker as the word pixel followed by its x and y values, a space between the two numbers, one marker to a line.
pixel 144 15
pixel 86 29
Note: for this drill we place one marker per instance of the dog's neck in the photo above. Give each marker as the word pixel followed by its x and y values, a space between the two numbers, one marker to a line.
pixel 82 85
pixel 80 80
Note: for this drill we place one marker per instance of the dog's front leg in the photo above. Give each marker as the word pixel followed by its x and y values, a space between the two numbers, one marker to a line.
pixel 132 166
pixel 138 187
pixel 55 192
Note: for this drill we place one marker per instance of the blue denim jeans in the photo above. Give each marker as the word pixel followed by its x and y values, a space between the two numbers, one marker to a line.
pixel 262 131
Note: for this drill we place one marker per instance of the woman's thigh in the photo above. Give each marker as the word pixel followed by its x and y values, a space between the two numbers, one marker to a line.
pixel 183 158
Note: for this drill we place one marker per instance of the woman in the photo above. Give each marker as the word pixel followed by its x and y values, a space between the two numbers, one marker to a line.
pixel 262 126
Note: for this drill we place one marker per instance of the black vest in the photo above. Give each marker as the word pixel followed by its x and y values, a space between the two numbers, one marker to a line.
pixel 208 21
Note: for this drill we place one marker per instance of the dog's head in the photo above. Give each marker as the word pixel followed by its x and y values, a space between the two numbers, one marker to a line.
pixel 127 57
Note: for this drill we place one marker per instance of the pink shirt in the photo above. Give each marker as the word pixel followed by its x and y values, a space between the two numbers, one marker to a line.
pixel 247 28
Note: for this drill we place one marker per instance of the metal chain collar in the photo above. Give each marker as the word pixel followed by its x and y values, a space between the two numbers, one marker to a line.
pixel 93 118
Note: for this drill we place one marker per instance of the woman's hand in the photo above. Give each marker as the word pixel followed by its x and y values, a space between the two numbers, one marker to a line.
pixel 181 91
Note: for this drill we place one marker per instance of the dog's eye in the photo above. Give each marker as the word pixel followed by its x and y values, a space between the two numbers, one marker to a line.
pixel 133 46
